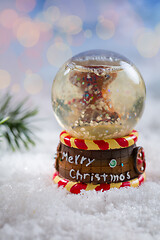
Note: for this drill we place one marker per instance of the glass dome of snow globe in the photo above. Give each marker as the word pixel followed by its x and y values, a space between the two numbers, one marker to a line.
pixel 97 95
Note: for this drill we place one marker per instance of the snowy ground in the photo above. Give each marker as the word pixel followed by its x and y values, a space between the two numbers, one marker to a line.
pixel 31 206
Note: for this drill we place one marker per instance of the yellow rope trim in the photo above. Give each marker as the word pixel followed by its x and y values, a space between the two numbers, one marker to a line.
pixel 133 183
pixel 91 145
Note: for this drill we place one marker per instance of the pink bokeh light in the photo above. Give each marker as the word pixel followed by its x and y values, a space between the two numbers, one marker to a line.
pixel 25 6
pixel 8 18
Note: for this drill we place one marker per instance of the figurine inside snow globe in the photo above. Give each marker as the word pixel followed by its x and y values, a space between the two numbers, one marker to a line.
pixel 98 97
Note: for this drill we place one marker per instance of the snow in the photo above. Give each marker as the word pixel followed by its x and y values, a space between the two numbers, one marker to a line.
pixel 31 206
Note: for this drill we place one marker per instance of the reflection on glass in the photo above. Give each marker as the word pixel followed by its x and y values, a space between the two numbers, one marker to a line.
pixel 98 95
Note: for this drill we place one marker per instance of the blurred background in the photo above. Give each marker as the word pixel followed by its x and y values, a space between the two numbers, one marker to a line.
pixel 37 36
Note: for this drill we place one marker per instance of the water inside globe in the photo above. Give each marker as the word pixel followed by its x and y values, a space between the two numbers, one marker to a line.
pixel 98 97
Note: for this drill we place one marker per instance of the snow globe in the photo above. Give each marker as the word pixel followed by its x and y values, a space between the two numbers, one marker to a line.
pixel 98 97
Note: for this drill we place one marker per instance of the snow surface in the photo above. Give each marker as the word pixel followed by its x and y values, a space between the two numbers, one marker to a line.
pixel 31 206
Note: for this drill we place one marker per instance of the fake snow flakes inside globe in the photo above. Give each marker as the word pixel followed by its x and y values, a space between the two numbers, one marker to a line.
pixel 98 94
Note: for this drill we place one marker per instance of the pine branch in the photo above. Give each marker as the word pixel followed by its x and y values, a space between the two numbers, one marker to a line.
pixel 15 124
pixel 4 120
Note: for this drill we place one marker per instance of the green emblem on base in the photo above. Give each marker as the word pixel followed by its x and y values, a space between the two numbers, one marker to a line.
pixel 113 163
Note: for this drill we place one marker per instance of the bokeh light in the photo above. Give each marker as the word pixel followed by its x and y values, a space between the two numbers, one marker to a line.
pixel 17 23
pixel 71 24
pixel 112 11
pixel 25 5
pixel 52 14
pixel 8 18
pixel 58 53
pixel 45 29
pixel 28 34
pixel 105 28
pixel 33 83
pixel 147 43
pixel 43 26
pixel 5 79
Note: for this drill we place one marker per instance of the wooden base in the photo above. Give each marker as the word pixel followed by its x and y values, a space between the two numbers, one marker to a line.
pixel 80 161
pixel 100 166
pixel 77 187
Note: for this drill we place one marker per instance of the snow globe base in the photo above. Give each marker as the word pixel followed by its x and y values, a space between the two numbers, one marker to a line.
pixel 83 164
